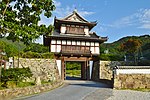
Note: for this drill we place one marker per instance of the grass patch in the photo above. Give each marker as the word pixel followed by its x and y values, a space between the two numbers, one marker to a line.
pixel 25 84
pixel 12 84
pixel 76 73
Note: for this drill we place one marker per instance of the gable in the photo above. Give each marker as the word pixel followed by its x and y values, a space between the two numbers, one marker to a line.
pixel 75 17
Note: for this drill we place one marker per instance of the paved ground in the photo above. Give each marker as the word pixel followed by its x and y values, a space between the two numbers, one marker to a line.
pixel 72 90
pixel 88 90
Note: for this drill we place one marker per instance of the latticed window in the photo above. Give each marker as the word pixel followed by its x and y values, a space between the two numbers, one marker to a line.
pixel 76 30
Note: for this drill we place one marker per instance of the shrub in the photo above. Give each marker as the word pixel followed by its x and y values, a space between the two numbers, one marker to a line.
pixel 48 55
pixel 15 74
pixel 30 54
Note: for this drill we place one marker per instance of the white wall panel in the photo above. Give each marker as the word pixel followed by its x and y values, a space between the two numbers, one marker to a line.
pixel 64 42
pixel 96 44
pixel 53 42
pixel 68 42
pixel 73 43
pixel 132 71
pixel 87 43
pixel 63 29
pixel 92 49
pixel 58 41
pixel 78 42
pixel 53 48
pixel 58 62
pixel 86 30
pixel 58 48
pixel 97 50
pixel 92 43
pixel 91 67
pixel 83 43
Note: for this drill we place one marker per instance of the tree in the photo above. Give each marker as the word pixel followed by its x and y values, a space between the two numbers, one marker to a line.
pixel 131 46
pixel 19 19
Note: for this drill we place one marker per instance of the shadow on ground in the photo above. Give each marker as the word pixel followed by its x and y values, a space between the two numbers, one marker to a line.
pixel 76 81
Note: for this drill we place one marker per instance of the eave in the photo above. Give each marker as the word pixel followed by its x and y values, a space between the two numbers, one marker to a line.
pixel 47 39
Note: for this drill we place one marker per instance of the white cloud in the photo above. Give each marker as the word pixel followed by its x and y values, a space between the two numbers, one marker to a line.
pixel 140 19
pixel 62 11
pixel 144 18
pixel 85 13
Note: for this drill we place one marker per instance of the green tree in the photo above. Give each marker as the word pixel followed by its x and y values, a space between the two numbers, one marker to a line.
pixel 131 47
pixel 19 19
pixel 35 47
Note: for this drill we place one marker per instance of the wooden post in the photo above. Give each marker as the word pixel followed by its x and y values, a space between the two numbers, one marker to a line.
pixel 62 69
pixel 87 70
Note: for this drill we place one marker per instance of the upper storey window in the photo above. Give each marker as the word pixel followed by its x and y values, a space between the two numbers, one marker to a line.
pixel 75 29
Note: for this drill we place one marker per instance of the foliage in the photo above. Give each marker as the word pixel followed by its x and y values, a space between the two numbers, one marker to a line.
pixel 25 84
pixel 30 54
pixel 111 57
pixel 73 72
pixel 19 19
pixel 130 46
pixel 8 48
pixel 15 74
pixel 73 66
pixel 114 48
pixel 35 47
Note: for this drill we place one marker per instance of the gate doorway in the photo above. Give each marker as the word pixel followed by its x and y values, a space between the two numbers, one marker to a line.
pixel 73 70
pixel 85 63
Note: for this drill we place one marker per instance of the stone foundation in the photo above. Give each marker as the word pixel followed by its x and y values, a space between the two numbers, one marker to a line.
pixel 132 81
pixel 18 92
pixel 106 68
pixel 45 69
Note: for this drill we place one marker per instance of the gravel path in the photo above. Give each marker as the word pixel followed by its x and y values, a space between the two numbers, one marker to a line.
pixel 110 94
pixel 129 95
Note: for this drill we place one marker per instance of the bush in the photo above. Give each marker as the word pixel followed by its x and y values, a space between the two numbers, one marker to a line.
pixel 15 74
pixel 48 55
pixel 30 54
pixel 111 57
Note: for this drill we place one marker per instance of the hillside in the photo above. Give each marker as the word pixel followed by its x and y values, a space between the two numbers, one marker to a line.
pixel 14 48
pixel 113 48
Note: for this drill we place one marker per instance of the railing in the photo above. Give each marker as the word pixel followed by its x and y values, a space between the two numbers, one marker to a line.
pixel 76 49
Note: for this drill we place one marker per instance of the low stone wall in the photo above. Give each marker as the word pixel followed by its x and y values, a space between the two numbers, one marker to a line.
pixel 132 81
pixel 46 69
pixel 106 68
pixel 18 92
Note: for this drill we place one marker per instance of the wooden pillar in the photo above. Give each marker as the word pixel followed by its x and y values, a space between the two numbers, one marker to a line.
pixel 62 69
pixel 83 70
pixel 87 70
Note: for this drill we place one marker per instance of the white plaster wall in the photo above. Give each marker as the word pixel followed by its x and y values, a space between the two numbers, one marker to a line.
pixel 91 66
pixel 58 62
pixel 92 50
pixel 86 31
pixel 63 29
pixel 97 50
pixel 132 71
pixel 53 48
pixel 58 48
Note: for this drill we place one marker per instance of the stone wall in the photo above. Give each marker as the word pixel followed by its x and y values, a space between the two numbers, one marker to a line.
pixel 106 68
pixel 45 69
pixel 132 81
pixel 8 94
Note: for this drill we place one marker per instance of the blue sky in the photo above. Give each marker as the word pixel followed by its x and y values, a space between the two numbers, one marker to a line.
pixel 116 18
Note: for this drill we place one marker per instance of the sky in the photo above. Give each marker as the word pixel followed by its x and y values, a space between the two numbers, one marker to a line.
pixel 116 18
